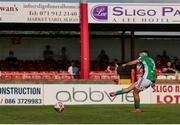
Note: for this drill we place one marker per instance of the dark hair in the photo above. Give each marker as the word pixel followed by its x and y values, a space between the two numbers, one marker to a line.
pixel 48 46
pixel 63 48
pixel 144 51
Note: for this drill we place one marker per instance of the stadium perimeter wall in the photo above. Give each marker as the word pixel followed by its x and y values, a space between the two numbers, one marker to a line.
pixel 80 94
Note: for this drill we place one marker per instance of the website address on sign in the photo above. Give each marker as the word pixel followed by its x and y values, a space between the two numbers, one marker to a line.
pixel 50 6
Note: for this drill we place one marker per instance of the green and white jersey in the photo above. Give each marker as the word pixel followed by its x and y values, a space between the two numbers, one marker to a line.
pixel 149 67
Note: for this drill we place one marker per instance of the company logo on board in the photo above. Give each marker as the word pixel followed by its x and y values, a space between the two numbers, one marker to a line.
pixel 100 12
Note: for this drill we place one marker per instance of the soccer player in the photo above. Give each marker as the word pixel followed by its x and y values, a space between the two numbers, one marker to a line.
pixel 147 79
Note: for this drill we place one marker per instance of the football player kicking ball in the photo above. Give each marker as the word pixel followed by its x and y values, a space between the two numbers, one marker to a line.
pixel 147 79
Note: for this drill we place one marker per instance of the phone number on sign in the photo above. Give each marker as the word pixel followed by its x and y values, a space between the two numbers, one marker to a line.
pixel 21 101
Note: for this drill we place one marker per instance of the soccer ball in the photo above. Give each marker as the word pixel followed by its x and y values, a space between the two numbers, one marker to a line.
pixel 59 107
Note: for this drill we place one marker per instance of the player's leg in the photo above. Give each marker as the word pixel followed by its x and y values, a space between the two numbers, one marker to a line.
pixel 126 90
pixel 136 100
pixel 141 85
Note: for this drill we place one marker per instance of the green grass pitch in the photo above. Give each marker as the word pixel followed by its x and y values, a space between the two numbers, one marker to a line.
pixel 90 114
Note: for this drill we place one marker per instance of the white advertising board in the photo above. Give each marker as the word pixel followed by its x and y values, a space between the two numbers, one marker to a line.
pixel 39 12
pixel 166 94
pixel 84 94
pixel 134 13
pixel 80 94
pixel 21 94
pixel 105 13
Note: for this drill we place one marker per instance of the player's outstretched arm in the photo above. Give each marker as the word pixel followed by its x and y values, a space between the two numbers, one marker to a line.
pixel 130 63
